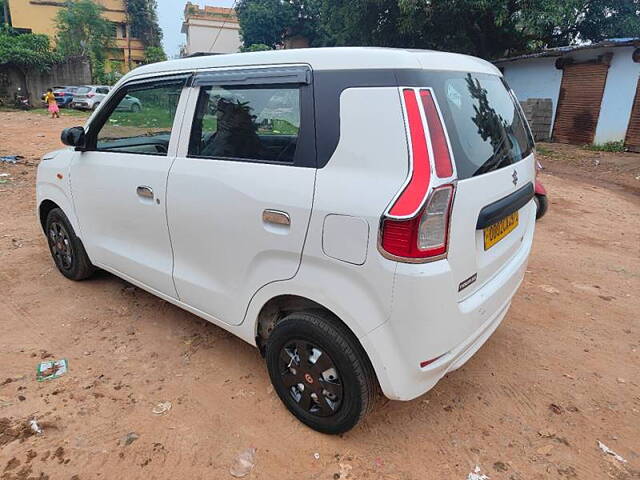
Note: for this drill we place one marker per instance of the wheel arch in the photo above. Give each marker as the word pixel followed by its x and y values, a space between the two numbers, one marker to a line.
pixel 43 211
pixel 278 307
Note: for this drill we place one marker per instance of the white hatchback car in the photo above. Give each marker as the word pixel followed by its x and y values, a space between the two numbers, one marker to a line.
pixel 363 216
pixel 88 97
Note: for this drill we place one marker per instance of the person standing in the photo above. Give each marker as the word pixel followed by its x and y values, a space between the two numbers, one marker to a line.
pixel 50 99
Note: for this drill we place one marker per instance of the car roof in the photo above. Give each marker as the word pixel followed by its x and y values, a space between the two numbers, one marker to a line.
pixel 331 58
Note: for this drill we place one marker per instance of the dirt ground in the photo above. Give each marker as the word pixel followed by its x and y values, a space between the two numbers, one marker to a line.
pixel 560 374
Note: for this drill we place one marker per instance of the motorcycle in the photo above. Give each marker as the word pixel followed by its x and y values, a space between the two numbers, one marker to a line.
pixel 540 197
pixel 21 101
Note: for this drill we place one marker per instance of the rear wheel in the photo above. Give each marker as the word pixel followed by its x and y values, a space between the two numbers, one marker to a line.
pixel 135 108
pixel 320 372
pixel 66 248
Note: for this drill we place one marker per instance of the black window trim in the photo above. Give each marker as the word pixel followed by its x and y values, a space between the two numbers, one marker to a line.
pixel 267 77
pixel 114 100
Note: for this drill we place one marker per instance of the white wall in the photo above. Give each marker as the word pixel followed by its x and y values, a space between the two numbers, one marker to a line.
pixel 617 100
pixel 201 35
pixel 534 78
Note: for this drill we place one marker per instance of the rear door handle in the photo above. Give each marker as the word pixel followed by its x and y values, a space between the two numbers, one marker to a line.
pixel 276 217
pixel 144 191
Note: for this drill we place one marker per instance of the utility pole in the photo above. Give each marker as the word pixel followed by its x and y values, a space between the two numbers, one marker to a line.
pixel 5 6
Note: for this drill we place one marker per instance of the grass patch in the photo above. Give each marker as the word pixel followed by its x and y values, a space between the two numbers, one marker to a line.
pixel 544 151
pixel 64 112
pixel 606 147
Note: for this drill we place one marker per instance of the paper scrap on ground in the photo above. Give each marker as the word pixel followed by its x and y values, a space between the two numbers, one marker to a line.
pixel 608 451
pixel 476 475
pixel 51 370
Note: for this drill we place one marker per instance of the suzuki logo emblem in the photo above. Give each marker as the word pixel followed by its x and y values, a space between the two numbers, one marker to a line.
pixel 515 178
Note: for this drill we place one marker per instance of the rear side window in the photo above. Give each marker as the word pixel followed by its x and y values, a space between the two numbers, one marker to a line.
pixel 83 90
pixel 485 126
pixel 247 123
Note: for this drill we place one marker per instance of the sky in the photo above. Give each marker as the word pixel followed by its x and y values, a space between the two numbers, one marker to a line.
pixel 171 14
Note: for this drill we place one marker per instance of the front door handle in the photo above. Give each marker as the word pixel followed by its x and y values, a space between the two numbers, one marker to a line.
pixel 144 191
pixel 276 217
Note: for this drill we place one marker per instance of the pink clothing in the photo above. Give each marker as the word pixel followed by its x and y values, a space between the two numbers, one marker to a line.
pixel 53 108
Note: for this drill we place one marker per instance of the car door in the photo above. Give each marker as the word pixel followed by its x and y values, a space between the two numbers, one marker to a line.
pixel 241 189
pixel 119 184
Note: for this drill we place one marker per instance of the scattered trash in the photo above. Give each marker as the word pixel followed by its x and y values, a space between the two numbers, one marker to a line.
pixel 608 451
pixel 35 428
pixel 51 370
pixel 10 158
pixel 621 380
pixel 161 408
pixel 244 463
pixel 549 289
pixel 316 456
pixel 129 438
pixel 476 475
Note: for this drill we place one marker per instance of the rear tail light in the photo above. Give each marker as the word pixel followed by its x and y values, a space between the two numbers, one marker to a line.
pixel 91 95
pixel 416 224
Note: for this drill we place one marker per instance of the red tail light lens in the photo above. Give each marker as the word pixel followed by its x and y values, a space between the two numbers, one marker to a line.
pixel 91 95
pixel 415 191
pixel 424 236
pixel 411 228
pixel 441 156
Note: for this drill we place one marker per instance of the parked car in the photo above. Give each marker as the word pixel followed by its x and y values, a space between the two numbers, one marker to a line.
pixel 130 104
pixel 89 97
pixel 363 216
pixel 542 203
pixel 64 95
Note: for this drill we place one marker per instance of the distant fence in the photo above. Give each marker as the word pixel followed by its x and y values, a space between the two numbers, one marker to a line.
pixel 74 71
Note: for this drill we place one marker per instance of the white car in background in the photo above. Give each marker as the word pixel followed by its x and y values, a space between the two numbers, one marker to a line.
pixel 88 97
pixel 363 216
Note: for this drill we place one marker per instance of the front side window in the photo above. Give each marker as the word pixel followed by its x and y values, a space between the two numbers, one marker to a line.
pixel 142 120
pixel 247 123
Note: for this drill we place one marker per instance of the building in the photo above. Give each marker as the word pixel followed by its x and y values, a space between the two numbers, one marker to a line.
pixel 593 89
pixel 212 30
pixel 38 16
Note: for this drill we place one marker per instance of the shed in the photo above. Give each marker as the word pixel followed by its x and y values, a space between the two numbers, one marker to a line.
pixel 593 90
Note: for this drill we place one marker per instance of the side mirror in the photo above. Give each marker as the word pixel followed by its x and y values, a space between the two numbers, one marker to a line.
pixel 73 137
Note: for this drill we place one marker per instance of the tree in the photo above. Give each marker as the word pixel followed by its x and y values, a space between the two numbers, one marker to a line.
pixel 82 30
pixel 154 54
pixel 268 22
pixel 143 20
pixel 26 52
pixel 486 28
pixel 256 47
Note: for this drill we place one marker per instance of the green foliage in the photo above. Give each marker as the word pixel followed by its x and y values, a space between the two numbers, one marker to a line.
pixel 486 28
pixel 27 50
pixel 607 147
pixel 82 30
pixel 267 22
pixel 256 47
pixel 154 55
pixel 143 21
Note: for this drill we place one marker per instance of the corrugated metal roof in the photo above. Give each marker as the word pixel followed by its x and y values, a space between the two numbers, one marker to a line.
pixel 559 51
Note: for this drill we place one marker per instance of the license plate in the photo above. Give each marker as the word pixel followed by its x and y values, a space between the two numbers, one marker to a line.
pixel 496 232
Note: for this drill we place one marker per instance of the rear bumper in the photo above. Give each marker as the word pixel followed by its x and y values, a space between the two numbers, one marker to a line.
pixel 427 322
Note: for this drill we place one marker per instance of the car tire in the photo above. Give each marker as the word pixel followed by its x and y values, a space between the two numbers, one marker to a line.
pixel 325 360
pixel 95 106
pixel 135 108
pixel 542 204
pixel 66 249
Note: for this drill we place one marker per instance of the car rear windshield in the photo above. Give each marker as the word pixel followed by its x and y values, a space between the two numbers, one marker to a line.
pixel 485 125
pixel 83 90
